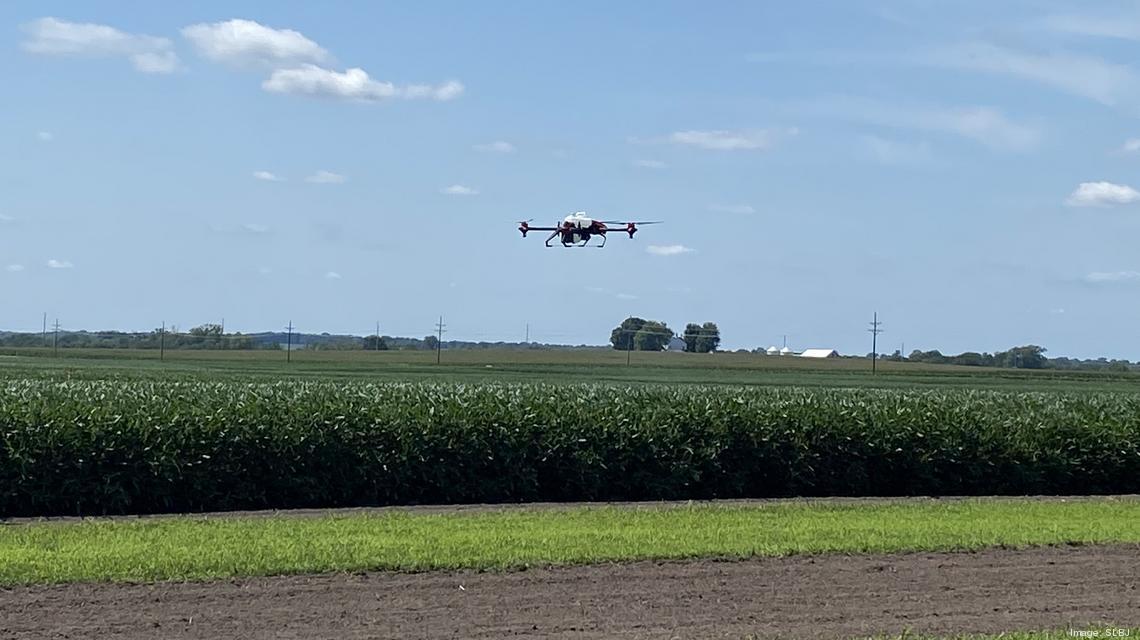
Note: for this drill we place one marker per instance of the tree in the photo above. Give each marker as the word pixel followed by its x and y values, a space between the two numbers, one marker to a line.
pixel 652 336
pixel 372 343
pixel 709 339
pixel 641 335
pixel 213 330
pixel 431 343
pixel 692 332
pixel 622 337
pixel 1027 357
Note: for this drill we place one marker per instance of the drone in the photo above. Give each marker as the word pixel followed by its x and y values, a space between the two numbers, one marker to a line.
pixel 577 228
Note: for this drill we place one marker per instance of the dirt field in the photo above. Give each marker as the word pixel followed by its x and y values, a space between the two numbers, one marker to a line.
pixel 802 597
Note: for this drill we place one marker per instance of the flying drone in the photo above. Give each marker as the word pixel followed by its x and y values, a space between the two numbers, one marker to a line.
pixel 577 228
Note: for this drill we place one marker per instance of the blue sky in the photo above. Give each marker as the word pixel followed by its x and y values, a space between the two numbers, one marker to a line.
pixel 967 170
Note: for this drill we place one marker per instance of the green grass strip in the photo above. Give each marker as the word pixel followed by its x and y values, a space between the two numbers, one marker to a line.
pixel 199 548
pixel 1066 634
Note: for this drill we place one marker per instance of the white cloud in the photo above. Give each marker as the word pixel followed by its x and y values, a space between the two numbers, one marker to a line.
pixel 895 152
pixel 354 84
pixel 246 43
pixel 1102 277
pixel 1058 311
pixel 326 177
pixel 668 250
pixel 626 296
pixel 650 164
pixel 332 275
pixel 459 190
pixel 14 267
pixel 732 208
pixel 45 136
pixel 59 264
pixel 1081 75
pixel 6 218
pixel 1099 194
pixel 267 176
pixel 985 125
pixel 264 271
pixel 498 146
pixel 1131 145
pixel 255 228
pixel 53 37
pixel 725 140
pixel 156 62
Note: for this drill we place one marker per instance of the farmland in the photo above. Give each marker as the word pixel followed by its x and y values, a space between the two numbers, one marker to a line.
pixel 94 432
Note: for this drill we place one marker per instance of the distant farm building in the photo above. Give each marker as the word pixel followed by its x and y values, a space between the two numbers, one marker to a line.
pixel 787 352
pixel 772 351
pixel 675 344
pixel 819 353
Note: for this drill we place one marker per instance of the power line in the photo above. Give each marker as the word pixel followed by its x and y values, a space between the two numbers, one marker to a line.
pixel 875 331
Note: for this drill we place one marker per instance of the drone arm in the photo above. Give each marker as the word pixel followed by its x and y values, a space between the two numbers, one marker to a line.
pixel 552 236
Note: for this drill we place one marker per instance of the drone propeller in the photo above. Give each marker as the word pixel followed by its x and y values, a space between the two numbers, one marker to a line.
pixel 628 222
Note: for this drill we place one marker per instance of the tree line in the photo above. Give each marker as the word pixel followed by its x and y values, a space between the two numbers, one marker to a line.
pixel 639 334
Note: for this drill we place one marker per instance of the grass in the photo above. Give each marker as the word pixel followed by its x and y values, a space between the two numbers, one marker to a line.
pixel 505 365
pixel 201 548
pixel 1056 634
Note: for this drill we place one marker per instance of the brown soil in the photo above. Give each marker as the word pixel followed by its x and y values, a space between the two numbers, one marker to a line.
pixel 799 597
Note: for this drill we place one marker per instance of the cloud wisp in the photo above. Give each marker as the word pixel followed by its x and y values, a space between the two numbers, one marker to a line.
pixel 326 177
pixel 54 37
pixel 245 43
pixel 352 85
pixel 1102 194
pixel 459 190
pixel 668 250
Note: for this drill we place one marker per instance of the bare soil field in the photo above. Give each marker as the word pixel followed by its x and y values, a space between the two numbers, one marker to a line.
pixel 799 597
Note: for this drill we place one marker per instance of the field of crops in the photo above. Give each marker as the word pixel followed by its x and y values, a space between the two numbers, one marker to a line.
pixel 136 446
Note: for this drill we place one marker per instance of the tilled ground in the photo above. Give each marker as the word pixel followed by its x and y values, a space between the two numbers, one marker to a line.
pixel 798 597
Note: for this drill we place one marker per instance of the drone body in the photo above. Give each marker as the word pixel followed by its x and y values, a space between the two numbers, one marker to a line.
pixel 577 228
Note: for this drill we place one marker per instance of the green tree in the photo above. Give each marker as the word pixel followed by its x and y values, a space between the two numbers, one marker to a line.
pixel 640 335
pixel 692 332
pixel 431 343
pixel 622 337
pixel 652 336
pixel 211 330
pixel 709 339
pixel 1027 357
pixel 372 343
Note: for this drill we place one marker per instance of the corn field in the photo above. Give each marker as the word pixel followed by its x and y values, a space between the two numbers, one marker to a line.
pixel 97 447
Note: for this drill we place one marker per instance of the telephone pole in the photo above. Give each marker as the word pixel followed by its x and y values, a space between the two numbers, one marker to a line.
pixel 289 343
pixel 55 339
pixel 875 331
pixel 162 341
pixel 527 341
pixel 439 340
pixel 44 335
pixel 377 335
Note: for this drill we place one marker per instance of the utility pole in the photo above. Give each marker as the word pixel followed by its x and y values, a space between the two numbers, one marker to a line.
pixel 377 335
pixel 629 345
pixel 55 339
pixel 875 331
pixel 44 343
pixel 289 343
pixel 527 341
pixel 162 341
pixel 439 340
